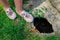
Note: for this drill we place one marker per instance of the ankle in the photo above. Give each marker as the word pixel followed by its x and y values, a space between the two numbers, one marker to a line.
pixel 5 8
pixel 19 11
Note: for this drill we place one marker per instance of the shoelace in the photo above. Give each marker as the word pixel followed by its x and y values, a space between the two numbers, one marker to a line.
pixel 9 12
pixel 25 15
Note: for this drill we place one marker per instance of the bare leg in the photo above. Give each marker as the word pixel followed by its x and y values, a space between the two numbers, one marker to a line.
pixel 5 3
pixel 18 4
pixel 28 17
pixel 8 10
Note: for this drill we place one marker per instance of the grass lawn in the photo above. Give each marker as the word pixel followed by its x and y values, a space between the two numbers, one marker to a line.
pixel 16 29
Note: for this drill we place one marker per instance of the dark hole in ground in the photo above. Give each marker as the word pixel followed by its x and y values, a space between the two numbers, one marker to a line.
pixel 42 25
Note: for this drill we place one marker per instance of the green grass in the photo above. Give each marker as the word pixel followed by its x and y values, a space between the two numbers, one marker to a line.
pixel 11 29
pixel 16 29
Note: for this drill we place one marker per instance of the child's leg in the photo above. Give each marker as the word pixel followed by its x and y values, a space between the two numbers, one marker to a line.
pixel 5 3
pixel 8 10
pixel 18 4
pixel 28 17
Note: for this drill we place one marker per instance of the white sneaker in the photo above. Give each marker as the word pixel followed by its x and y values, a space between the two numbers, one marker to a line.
pixel 28 17
pixel 10 13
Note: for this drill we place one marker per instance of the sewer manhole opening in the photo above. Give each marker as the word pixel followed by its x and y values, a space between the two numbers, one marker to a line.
pixel 42 25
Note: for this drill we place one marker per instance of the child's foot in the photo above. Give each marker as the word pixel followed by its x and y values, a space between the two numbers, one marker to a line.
pixel 28 17
pixel 10 13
